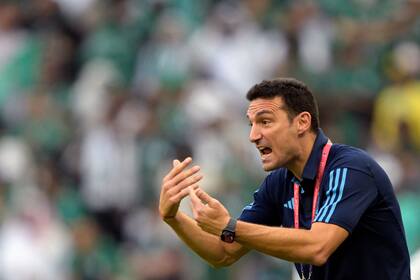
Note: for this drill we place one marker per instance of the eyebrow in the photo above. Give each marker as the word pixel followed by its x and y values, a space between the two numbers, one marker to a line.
pixel 264 111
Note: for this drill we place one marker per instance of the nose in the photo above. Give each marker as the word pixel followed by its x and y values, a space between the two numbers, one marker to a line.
pixel 254 134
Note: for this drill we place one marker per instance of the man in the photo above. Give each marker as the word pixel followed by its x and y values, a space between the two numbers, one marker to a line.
pixel 329 208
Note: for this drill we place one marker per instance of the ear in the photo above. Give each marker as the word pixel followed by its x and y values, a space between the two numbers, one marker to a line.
pixel 303 122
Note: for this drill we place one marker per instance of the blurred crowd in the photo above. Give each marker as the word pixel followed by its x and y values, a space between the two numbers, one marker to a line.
pixel 98 96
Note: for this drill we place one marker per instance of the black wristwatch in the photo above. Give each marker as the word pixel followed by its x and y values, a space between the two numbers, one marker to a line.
pixel 228 234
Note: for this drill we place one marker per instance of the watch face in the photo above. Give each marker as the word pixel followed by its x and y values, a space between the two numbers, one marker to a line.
pixel 228 236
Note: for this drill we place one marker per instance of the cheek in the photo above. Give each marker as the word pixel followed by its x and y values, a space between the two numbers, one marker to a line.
pixel 282 141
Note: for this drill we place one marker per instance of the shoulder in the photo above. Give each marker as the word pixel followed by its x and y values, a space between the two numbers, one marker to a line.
pixel 276 177
pixel 274 182
pixel 278 174
pixel 350 157
pixel 362 166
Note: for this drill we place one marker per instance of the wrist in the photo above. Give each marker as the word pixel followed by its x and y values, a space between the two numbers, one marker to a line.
pixel 170 219
pixel 229 232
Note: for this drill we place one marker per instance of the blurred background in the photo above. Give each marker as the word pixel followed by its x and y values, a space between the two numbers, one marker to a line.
pixel 98 96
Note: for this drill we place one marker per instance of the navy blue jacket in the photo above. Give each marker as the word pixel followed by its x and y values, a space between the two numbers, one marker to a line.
pixel 356 195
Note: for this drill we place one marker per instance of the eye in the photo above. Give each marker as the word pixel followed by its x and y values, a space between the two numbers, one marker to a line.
pixel 265 122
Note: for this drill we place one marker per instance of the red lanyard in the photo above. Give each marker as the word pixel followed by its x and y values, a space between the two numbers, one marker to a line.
pixel 322 163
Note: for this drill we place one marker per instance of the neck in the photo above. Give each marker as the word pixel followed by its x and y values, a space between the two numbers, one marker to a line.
pixel 304 149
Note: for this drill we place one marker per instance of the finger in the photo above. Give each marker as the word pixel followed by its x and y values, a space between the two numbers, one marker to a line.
pixel 182 194
pixel 186 183
pixel 182 181
pixel 178 168
pixel 175 162
pixel 195 201
pixel 185 174
pixel 204 197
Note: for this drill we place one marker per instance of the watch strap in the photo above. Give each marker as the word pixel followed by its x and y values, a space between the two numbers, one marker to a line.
pixel 231 226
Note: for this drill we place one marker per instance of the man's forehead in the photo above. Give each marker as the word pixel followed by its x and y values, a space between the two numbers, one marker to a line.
pixel 260 106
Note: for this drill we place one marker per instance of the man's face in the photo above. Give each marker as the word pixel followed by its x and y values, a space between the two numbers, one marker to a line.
pixel 272 132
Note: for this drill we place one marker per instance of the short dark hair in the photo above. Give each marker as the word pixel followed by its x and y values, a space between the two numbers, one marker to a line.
pixel 296 96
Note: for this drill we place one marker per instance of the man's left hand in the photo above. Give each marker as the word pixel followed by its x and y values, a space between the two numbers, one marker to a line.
pixel 210 215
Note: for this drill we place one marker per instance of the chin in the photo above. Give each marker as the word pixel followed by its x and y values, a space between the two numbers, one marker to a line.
pixel 269 167
pixel 272 165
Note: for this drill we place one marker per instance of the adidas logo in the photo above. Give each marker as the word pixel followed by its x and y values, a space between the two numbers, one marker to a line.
pixel 290 204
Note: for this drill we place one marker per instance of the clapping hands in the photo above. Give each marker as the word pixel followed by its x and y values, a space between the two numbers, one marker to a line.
pixel 210 215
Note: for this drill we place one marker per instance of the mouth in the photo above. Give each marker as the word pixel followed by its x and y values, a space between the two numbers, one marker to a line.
pixel 264 151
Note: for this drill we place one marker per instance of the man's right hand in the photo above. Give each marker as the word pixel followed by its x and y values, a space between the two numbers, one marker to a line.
pixel 176 185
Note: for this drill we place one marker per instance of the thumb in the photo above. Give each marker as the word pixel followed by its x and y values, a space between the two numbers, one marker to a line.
pixel 195 201
pixel 204 197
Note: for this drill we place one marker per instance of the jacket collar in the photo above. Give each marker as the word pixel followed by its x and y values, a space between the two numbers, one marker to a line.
pixel 311 166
